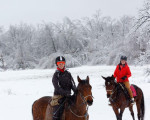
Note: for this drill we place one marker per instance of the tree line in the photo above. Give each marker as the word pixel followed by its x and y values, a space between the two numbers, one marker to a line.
pixel 90 40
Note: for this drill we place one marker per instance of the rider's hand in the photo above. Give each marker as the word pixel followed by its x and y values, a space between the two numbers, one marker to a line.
pixel 68 95
pixel 124 77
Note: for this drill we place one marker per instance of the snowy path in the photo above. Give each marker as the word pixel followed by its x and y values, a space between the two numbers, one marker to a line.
pixel 19 89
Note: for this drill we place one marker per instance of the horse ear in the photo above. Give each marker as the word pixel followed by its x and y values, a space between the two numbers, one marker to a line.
pixel 79 80
pixel 87 78
pixel 103 77
pixel 113 76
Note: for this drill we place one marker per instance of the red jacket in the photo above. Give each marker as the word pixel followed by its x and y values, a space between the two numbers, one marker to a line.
pixel 122 71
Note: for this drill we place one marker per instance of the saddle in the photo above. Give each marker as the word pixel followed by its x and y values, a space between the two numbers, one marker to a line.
pixel 55 101
pixel 126 91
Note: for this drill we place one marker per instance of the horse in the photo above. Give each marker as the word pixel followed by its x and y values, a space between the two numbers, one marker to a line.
pixel 119 100
pixel 77 110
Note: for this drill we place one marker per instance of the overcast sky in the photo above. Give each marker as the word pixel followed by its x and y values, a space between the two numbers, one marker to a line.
pixel 36 11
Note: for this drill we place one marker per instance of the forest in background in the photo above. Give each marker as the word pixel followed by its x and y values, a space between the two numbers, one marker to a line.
pixel 95 40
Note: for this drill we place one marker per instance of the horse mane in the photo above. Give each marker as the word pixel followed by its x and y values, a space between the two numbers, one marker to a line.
pixel 74 96
pixel 118 86
pixel 119 90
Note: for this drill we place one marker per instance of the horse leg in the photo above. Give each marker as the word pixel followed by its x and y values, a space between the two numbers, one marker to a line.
pixel 121 112
pixel 116 111
pixel 132 113
pixel 138 110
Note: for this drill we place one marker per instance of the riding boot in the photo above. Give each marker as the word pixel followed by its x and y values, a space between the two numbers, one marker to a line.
pixel 132 101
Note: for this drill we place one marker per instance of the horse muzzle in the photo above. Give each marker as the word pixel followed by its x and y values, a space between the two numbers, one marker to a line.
pixel 108 95
pixel 90 102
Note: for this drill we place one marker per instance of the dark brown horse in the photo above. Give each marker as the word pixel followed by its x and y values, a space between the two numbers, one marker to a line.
pixel 119 100
pixel 77 110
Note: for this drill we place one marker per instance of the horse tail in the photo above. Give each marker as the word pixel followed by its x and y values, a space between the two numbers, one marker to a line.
pixel 142 107
pixel 142 104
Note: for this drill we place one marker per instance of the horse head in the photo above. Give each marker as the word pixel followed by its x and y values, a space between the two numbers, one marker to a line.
pixel 85 90
pixel 109 85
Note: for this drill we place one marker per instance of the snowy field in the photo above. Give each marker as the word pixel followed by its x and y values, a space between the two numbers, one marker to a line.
pixel 19 89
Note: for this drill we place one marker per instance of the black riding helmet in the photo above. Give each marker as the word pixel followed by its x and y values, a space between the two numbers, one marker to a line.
pixel 60 58
pixel 123 58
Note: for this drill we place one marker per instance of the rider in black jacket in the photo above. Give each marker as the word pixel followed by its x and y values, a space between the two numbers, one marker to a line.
pixel 63 83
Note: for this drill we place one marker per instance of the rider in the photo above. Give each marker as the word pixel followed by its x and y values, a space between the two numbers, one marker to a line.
pixel 122 73
pixel 63 83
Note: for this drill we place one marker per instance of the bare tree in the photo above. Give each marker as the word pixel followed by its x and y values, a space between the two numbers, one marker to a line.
pixel 144 16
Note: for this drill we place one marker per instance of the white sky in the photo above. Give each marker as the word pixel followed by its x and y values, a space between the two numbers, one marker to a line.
pixel 36 11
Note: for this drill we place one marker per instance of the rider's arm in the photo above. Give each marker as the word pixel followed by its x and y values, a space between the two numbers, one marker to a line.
pixel 74 88
pixel 115 73
pixel 128 72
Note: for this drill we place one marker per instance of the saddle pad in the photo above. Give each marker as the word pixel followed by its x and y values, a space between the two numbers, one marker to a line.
pixel 55 100
pixel 133 91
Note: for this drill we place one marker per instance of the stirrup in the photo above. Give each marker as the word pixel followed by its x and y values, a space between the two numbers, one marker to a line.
pixel 132 101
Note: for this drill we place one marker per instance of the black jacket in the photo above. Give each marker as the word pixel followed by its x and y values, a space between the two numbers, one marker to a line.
pixel 63 83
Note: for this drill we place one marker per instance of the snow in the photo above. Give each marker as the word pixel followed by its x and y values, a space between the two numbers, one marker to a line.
pixel 19 89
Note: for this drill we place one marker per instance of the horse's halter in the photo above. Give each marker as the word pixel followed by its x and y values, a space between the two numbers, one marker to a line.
pixel 111 91
pixel 107 89
pixel 83 102
pixel 84 98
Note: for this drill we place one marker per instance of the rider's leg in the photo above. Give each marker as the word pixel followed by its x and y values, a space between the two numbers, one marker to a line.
pixel 127 84
pixel 58 110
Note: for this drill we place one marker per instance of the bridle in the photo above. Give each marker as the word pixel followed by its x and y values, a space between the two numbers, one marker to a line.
pixel 112 92
pixel 84 98
pixel 109 90
pixel 83 102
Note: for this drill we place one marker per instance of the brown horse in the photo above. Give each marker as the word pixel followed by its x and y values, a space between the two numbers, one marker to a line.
pixel 77 110
pixel 119 100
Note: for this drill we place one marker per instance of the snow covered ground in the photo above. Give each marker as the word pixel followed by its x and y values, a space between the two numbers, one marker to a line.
pixel 19 89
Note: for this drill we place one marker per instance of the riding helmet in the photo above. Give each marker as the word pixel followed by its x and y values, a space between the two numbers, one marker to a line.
pixel 60 58
pixel 123 58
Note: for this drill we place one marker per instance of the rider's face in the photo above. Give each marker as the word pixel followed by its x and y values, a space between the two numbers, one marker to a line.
pixel 123 62
pixel 61 65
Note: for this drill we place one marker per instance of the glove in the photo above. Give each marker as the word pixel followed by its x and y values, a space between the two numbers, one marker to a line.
pixel 67 94
pixel 124 77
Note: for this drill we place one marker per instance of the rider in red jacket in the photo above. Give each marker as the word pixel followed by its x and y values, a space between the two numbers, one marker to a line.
pixel 122 73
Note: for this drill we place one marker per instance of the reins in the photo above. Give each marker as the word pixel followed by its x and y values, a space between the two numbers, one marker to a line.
pixel 83 102
pixel 113 91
